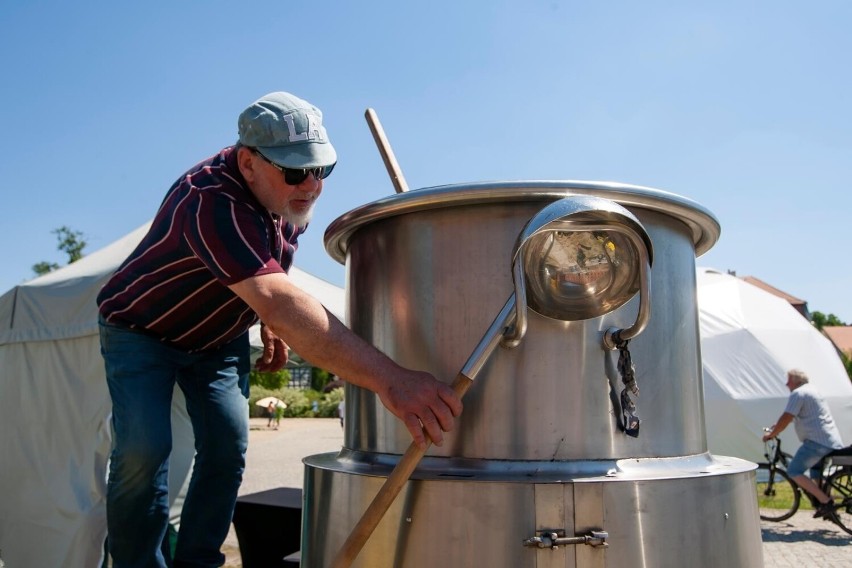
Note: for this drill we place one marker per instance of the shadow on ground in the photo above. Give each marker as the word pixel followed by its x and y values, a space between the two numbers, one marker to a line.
pixel 828 536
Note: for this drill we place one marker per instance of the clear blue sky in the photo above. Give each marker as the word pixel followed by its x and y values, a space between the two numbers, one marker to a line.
pixel 743 107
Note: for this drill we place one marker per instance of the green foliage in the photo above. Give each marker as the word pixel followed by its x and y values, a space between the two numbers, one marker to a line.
pixel 319 378
pixel 782 497
pixel 847 363
pixel 270 381
pixel 821 320
pixel 328 403
pixel 43 267
pixel 70 242
pixel 300 403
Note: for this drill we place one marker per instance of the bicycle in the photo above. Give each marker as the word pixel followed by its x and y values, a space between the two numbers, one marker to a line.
pixel 780 496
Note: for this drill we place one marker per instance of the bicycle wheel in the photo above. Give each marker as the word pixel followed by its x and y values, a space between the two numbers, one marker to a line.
pixel 840 489
pixel 777 495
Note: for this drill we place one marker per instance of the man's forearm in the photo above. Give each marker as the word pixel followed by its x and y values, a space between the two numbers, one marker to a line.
pixel 316 335
pixel 782 423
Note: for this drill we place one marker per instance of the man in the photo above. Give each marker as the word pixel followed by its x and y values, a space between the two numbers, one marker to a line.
pixel 817 431
pixel 178 310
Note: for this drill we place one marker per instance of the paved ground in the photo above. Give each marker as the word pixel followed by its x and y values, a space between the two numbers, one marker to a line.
pixel 803 541
pixel 275 460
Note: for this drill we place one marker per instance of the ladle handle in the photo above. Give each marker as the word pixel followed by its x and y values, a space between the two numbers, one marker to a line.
pixel 387 494
pixel 394 171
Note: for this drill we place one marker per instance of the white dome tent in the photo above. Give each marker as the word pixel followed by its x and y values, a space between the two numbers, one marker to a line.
pixel 749 340
pixel 55 409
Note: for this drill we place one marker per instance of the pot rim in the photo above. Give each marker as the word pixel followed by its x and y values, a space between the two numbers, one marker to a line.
pixel 703 225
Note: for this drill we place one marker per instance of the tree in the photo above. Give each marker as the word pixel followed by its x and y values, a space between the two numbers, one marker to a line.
pixel 271 381
pixel 70 242
pixel 847 362
pixel 319 378
pixel 43 267
pixel 820 320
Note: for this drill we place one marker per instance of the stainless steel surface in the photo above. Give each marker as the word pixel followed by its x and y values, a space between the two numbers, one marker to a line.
pixel 424 286
pixel 537 453
pixel 578 258
pixel 401 473
pixel 490 340
pixel 569 292
pixel 702 225
pixel 613 336
pixel 658 517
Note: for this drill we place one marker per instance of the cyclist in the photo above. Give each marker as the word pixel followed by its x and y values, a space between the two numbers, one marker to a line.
pixel 816 430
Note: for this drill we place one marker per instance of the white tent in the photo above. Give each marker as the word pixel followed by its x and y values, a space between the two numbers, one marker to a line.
pixel 54 408
pixel 749 340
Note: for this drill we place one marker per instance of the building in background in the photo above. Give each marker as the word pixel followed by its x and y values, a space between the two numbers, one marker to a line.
pixel 800 305
pixel 841 337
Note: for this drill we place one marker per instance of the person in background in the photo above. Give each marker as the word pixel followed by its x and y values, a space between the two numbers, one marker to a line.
pixel 270 411
pixel 816 430
pixel 178 310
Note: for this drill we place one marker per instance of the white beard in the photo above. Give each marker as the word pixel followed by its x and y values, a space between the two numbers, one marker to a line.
pixel 299 219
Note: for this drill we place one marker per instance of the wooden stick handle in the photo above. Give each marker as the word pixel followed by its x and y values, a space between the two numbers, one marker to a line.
pixel 394 171
pixel 387 494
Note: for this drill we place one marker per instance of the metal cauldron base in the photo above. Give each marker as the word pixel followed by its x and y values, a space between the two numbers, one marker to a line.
pixel 699 511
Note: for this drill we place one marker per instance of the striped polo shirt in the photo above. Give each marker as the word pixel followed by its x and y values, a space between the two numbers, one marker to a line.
pixel 209 232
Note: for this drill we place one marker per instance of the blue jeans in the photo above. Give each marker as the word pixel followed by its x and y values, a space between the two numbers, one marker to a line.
pixel 141 373
pixel 807 456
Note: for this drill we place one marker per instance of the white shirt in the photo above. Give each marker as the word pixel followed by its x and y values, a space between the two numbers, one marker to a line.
pixel 812 418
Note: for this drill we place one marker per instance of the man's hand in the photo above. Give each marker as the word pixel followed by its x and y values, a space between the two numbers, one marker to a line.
pixel 275 352
pixel 422 403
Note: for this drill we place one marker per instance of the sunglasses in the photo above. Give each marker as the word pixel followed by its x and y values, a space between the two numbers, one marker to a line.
pixel 295 176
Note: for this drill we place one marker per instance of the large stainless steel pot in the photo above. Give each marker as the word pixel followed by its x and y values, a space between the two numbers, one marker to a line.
pixel 538 446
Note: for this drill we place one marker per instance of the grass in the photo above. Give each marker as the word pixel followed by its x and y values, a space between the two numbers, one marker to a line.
pixel 782 499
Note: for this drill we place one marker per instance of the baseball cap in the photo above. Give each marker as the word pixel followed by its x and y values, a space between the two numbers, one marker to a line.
pixel 287 130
